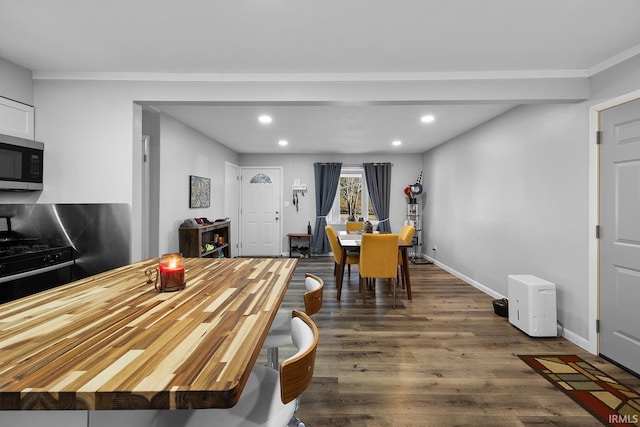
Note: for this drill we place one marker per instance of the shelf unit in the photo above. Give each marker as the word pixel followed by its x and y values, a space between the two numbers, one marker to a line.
pixel 414 214
pixel 299 245
pixel 192 240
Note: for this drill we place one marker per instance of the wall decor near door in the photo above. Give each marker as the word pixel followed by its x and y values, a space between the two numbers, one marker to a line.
pixel 199 192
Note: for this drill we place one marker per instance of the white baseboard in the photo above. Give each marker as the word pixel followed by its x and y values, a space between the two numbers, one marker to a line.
pixel 567 334
pixel 466 279
pixel 576 339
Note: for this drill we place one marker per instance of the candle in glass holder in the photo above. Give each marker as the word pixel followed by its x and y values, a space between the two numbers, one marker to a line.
pixel 171 272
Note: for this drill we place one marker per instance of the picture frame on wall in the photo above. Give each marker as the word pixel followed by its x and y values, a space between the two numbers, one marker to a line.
pixel 199 192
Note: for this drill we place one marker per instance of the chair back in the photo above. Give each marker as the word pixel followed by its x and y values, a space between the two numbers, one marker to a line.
pixel 335 245
pixel 313 296
pixel 354 225
pixel 406 233
pixel 297 371
pixel 379 255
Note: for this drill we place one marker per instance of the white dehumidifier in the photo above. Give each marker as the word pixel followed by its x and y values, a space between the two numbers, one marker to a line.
pixel 532 305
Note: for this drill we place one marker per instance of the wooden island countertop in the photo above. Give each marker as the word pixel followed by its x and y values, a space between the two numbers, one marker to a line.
pixel 111 341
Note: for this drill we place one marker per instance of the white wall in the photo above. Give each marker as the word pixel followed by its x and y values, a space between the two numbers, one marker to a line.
pixel 184 152
pixel 513 196
pixel 615 81
pixel 405 171
pixel 91 127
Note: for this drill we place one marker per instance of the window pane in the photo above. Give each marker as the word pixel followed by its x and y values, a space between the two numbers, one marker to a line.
pixel 350 197
pixel 352 201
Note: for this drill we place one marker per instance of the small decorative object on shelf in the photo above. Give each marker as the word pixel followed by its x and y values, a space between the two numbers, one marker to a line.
pixel 368 227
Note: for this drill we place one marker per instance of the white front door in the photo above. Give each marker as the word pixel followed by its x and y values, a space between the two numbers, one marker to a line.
pixel 620 235
pixel 261 212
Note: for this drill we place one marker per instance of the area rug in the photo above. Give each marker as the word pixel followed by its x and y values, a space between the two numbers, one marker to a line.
pixel 611 402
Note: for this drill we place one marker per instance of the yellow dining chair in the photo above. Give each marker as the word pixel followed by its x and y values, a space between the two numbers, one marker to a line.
pixel 378 260
pixel 354 226
pixel 406 233
pixel 337 251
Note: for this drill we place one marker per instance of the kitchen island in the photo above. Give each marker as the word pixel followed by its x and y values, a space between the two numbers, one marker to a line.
pixel 113 342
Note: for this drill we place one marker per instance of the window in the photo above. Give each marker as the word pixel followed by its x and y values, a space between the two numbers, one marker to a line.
pixel 260 179
pixel 352 198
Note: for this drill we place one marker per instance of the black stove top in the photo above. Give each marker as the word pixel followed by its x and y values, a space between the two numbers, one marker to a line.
pixel 22 249
pixel 21 257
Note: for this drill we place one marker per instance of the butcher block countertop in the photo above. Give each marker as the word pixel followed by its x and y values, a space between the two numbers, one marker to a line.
pixel 111 341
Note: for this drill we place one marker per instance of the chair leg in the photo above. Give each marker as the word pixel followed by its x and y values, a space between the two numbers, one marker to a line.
pixel 362 289
pixel 400 276
pixel 295 422
pixel 408 290
pixel 393 283
pixel 272 358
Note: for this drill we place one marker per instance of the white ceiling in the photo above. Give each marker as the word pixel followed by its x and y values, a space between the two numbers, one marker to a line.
pixel 332 40
pixel 333 128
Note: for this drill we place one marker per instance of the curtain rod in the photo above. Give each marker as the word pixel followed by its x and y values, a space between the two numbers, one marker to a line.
pixel 353 165
pixel 360 164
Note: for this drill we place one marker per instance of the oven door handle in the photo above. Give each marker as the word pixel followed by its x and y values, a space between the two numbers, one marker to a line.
pixel 37 271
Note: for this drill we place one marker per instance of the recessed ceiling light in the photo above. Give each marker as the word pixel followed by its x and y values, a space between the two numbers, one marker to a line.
pixel 264 119
pixel 283 142
pixel 427 119
pixel 397 142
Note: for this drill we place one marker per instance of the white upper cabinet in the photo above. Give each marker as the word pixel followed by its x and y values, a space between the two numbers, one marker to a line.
pixel 16 119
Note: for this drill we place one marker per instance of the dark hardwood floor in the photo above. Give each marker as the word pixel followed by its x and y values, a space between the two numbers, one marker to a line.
pixel 442 359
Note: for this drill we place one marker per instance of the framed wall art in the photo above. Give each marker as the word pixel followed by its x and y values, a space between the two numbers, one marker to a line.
pixel 199 192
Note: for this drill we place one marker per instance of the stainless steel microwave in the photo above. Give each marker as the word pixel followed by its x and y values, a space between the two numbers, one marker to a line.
pixel 21 164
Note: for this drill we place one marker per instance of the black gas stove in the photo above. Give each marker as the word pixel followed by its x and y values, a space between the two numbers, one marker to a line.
pixel 21 258
pixel 29 265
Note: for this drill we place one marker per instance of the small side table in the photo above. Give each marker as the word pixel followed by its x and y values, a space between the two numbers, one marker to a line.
pixel 300 244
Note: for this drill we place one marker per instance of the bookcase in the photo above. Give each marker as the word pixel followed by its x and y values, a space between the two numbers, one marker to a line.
pixel 415 215
pixel 194 241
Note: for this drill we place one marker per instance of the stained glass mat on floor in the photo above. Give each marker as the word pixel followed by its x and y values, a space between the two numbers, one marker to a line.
pixel 611 402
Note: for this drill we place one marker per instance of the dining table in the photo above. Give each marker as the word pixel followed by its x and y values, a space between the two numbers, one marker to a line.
pixel 112 341
pixel 351 241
